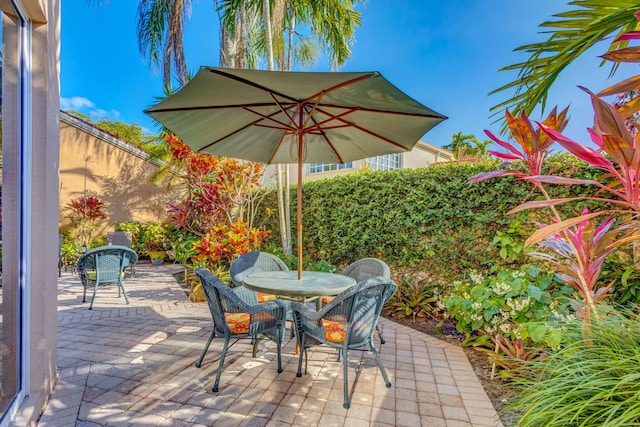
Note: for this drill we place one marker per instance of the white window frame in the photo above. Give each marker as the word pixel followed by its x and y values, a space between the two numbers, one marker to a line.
pixel 24 142
pixel 387 162
pixel 328 167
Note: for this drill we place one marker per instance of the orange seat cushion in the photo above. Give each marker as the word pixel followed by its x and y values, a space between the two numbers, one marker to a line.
pixel 265 297
pixel 238 323
pixel 326 300
pixel 334 331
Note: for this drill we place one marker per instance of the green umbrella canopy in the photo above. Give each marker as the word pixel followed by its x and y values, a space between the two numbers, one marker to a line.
pixel 294 117
pixel 256 115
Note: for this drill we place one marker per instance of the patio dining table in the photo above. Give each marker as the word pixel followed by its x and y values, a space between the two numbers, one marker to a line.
pixel 314 284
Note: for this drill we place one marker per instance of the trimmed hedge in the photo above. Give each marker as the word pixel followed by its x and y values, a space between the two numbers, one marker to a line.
pixel 429 218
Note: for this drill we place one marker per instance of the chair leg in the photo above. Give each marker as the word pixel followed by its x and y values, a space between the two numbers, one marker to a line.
pixel 379 332
pixel 121 286
pixel 302 350
pixel 95 288
pixel 279 357
pixel 345 370
pixel 382 370
pixel 84 294
pixel 222 355
pixel 206 348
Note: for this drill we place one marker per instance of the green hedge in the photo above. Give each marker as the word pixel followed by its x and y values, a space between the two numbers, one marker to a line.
pixel 427 218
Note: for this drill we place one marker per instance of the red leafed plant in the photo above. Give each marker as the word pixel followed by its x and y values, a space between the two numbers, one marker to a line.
pixel 580 245
pixel 218 203
pixel 85 214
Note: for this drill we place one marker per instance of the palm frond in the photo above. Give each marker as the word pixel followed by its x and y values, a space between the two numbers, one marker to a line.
pixel 570 36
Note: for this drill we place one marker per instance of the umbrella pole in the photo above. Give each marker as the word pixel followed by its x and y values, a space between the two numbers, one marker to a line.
pixel 300 141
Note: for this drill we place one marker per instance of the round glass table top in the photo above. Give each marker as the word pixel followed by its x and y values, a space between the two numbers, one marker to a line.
pixel 313 283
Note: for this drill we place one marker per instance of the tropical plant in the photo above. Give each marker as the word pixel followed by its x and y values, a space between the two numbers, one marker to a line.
pixel 85 214
pixel 581 245
pixel 137 234
pixel 415 298
pixel 156 237
pixel 196 291
pixel 510 307
pixel 226 242
pixel 592 380
pixel 461 144
pixel 571 35
pixel 214 189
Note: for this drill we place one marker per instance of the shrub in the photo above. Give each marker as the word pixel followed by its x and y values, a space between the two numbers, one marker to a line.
pixel 511 308
pixel 592 381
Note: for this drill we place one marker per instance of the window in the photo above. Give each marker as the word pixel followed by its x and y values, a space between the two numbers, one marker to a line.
pixel 328 167
pixel 388 162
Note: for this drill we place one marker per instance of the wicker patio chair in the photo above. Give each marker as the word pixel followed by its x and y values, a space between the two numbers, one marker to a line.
pixel 122 238
pixel 364 269
pixel 346 323
pixel 234 318
pixel 253 262
pixel 105 266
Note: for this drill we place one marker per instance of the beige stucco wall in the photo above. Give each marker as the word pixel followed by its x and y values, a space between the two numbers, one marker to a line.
pixel 113 171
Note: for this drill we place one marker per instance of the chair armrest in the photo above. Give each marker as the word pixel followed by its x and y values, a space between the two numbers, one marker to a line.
pixel 305 311
pixel 266 306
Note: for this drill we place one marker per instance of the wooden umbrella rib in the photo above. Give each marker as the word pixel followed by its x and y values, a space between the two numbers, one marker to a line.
pixel 211 107
pixel 332 117
pixel 285 126
pixel 278 145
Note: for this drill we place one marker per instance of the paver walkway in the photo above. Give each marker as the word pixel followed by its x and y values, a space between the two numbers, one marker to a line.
pixel 133 365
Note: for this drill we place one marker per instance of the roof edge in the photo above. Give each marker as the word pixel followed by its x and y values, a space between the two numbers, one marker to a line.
pixel 107 137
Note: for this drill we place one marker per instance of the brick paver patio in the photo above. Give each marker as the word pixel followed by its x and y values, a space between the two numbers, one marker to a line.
pixel 133 365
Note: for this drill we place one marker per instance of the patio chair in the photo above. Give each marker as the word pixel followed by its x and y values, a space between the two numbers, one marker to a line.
pixel 104 266
pixel 362 269
pixel 122 238
pixel 253 262
pixel 346 323
pixel 234 318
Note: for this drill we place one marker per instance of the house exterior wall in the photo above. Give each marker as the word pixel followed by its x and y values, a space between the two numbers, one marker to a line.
pixel 115 172
pixel 422 155
pixel 30 254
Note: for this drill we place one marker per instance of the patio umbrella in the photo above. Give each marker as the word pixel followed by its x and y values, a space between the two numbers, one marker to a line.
pixel 294 117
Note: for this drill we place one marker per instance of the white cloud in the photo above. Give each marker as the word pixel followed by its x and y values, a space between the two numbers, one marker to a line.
pixel 88 107
pixel 75 103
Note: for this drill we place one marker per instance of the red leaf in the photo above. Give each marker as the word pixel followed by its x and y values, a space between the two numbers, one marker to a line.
pixel 587 154
pixel 629 35
pixel 488 175
pixel 557 227
pixel 552 179
pixel 504 144
pixel 505 156
pixel 540 204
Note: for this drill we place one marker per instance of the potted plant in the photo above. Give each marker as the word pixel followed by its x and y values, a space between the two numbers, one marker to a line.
pixel 156 238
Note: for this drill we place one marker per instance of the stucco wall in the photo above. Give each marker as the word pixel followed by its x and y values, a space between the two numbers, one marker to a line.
pixel 422 155
pixel 119 176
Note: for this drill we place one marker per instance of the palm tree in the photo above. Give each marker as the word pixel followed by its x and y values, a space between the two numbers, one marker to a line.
pixel 572 34
pixel 160 32
pixel 462 143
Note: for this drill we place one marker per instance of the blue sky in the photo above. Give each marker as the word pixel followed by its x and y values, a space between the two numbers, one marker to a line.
pixel 444 54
